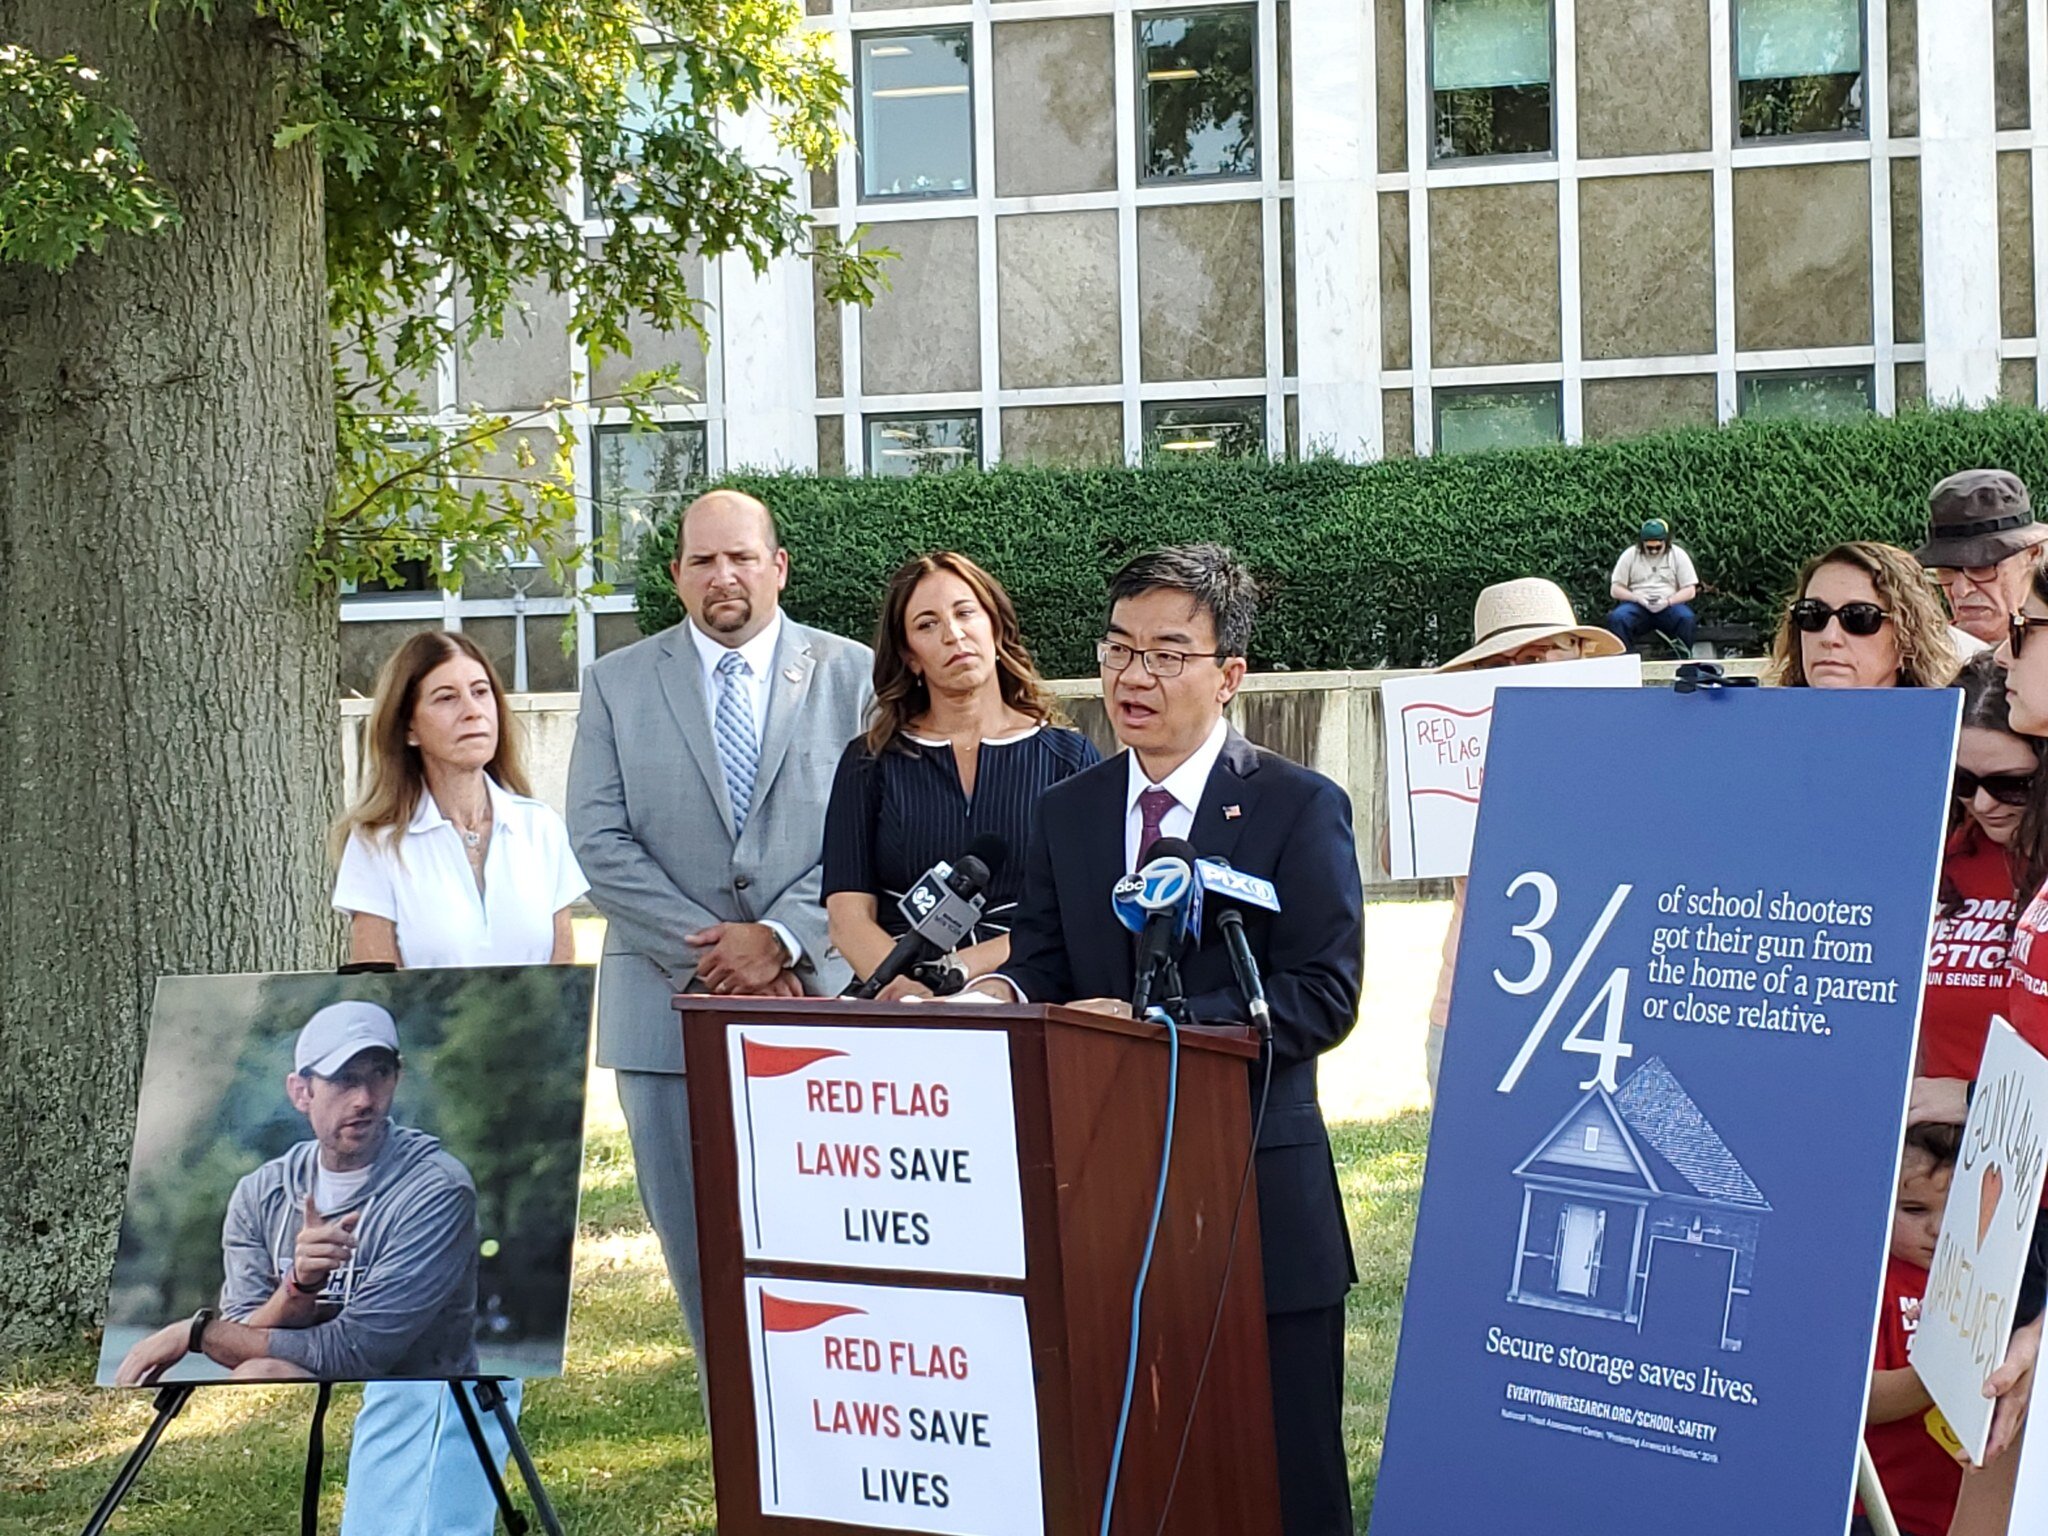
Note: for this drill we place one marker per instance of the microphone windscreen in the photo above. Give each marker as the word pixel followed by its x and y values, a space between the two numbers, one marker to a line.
pixel 991 850
pixel 1169 848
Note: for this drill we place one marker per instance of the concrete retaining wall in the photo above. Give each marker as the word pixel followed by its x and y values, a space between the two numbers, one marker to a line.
pixel 1329 720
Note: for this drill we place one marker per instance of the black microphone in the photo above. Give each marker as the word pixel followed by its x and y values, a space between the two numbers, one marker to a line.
pixel 1231 921
pixel 942 909
pixel 1162 903
pixel 1236 890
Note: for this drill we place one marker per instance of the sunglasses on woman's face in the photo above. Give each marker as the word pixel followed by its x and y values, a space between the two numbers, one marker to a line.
pixel 2005 788
pixel 1811 615
pixel 2016 629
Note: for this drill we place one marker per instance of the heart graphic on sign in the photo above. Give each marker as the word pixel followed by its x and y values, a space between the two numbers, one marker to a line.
pixel 1987 1199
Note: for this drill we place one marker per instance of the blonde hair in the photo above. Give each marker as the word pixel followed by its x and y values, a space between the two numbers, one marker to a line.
pixel 1927 654
pixel 394 779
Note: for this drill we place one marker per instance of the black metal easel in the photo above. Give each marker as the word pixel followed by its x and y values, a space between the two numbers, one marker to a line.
pixel 490 1396
pixel 168 1401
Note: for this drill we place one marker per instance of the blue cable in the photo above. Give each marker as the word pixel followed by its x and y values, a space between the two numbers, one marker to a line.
pixel 1123 1417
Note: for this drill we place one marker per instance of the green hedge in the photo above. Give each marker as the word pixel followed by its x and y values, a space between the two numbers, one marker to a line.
pixel 1378 564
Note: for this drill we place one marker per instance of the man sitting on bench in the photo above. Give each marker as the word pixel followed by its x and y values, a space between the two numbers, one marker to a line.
pixel 1653 586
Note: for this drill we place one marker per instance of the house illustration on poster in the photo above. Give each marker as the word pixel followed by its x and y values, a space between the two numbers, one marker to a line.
pixel 1634 1209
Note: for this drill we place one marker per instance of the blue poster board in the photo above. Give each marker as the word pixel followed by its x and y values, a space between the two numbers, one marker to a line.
pixel 1645 1282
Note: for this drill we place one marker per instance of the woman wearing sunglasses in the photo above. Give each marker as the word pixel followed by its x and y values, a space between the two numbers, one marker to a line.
pixel 1865 617
pixel 1996 770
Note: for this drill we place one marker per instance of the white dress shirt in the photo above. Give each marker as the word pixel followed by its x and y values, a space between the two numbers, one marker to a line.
pixel 759 655
pixel 1185 784
pixel 423 885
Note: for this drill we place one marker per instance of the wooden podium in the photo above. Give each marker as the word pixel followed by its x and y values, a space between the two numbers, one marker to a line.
pixel 893 1315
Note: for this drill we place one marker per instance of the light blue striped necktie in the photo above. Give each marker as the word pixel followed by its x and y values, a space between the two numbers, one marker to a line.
pixel 733 724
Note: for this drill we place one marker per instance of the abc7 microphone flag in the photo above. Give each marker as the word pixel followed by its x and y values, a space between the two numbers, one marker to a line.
pixel 1162 902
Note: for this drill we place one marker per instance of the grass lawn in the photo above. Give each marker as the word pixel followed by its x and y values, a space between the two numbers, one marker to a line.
pixel 620 1439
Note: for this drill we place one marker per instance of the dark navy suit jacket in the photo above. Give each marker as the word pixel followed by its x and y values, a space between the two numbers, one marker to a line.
pixel 1268 817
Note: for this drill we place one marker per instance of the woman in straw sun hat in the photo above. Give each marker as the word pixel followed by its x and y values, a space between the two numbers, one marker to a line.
pixel 1514 624
pixel 1529 620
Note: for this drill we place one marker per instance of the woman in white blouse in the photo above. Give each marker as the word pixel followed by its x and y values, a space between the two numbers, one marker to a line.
pixel 446 859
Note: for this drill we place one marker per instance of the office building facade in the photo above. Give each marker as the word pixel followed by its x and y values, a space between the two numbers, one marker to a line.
pixel 1363 227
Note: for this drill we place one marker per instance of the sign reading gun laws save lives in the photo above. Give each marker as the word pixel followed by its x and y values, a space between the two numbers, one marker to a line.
pixel 878 1148
pixel 1437 728
pixel 893 1406
pixel 1655 1218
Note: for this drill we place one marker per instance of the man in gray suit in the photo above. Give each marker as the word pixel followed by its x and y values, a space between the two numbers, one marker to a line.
pixel 704 758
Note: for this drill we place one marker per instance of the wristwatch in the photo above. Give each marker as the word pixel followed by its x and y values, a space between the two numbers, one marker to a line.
pixel 945 975
pixel 195 1341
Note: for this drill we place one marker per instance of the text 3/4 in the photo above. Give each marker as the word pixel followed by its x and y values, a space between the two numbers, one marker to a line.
pixel 1612 997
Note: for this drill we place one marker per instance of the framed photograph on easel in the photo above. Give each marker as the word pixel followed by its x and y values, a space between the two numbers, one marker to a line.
pixel 364 1177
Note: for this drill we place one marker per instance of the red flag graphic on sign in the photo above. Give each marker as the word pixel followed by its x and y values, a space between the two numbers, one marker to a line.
pixel 781 1060
pixel 779 1315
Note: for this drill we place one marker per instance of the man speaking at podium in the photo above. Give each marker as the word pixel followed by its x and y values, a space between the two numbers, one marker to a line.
pixel 1174 654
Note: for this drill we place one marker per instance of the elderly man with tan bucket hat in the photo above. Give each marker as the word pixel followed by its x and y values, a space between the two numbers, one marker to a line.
pixel 1982 542
pixel 1514 624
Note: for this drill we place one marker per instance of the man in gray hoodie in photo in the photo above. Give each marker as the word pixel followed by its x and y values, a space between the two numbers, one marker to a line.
pixel 352 1256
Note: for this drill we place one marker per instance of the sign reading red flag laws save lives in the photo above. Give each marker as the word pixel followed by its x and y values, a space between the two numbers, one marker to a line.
pixel 893 1406
pixel 878 1149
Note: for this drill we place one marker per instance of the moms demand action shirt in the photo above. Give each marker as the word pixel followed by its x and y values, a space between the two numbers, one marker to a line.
pixel 2026 999
pixel 1966 963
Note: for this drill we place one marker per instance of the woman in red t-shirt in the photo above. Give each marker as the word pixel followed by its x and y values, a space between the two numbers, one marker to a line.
pixel 1966 965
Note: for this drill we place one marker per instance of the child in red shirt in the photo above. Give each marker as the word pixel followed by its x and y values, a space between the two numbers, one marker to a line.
pixel 1908 1438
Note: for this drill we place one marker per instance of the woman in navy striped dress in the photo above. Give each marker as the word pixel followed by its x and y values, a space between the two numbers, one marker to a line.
pixel 962 741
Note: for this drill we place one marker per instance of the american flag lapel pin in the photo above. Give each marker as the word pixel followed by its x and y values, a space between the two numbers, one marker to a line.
pixel 1232 812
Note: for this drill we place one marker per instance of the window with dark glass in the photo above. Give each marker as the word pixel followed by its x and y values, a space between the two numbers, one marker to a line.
pixel 1195 429
pixel 1198 94
pixel 1840 394
pixel 1799 66
pixel 1489 69
pixel 1481 419
pixel 409 577
pixel 654 89
pixel 916 131
pixel 924 443
pixel 638 477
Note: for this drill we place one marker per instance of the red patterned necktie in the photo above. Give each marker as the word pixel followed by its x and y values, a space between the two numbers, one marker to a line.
pixel 1153 805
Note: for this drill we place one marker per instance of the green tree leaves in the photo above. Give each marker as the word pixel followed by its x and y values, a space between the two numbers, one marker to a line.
pixel 71 171
pixel 471 147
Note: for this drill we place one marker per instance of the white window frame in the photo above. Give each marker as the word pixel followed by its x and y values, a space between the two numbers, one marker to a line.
pixel 853 405
pixel 1524 157
pixel 868 201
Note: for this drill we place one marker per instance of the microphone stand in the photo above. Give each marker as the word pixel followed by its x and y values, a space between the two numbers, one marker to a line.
pixel 1173 998
pixel 1161 988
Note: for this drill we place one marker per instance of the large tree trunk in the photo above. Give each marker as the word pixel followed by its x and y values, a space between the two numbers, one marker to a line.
pixel 167 715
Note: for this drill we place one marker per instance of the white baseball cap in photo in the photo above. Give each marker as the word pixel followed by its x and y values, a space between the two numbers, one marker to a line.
pixel 340 1031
